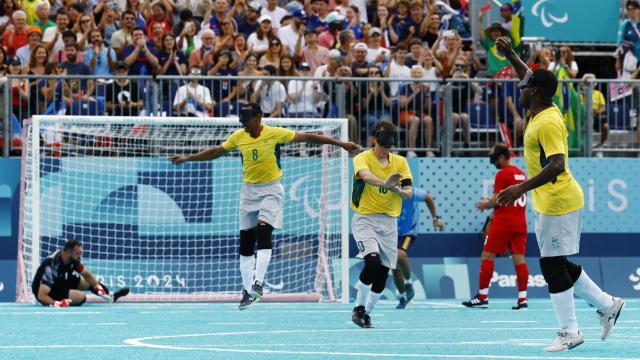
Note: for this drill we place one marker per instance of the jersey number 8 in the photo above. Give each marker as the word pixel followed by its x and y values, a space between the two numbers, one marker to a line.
pixel 254 154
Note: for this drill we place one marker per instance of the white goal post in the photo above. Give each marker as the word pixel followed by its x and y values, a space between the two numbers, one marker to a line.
pixel 170 232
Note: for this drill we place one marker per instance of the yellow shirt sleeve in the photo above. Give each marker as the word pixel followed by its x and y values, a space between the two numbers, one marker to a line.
pixel 359 163
pixel 232 142
pixel 598 101
pixel 552 137
pixel 284 135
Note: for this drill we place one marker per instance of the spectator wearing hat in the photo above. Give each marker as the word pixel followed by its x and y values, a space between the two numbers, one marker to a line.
pixel 495 59
pixel 303 95
pixel 360 66
pixel 313 54
pixel 329 68
pixel 193 99
pixel 271 94
pixel 329 37
pixel 16 37
pixel 34 36
pixel 249 22
pixel 123 98
pixel 19 88
pixel 100 58
pixel 43 11
pixel 293 33
pixel 274 12
pixel 124 37
pixel 376 54
pixel 260 41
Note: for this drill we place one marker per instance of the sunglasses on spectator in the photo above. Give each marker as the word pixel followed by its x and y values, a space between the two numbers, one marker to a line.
pixel 275 44
pixel 374 72
pixel 85 21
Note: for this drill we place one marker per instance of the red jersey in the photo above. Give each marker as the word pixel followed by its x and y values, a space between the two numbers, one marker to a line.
pixel 513 217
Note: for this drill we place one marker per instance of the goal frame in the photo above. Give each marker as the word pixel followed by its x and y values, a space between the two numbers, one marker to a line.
pixel 22 283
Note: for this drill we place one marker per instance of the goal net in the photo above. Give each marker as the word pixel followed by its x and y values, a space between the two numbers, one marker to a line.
pixel 170 232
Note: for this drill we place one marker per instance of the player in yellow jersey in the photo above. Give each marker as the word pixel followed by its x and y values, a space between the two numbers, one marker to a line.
pixel 558 202
pixel 380 181
pixel 262 194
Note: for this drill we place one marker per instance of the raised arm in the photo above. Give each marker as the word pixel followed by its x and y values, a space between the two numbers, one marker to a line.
pixel 437 222
pixel 204 155
pixel 503 44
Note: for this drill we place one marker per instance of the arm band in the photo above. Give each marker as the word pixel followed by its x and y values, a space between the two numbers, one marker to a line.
pixel 406 182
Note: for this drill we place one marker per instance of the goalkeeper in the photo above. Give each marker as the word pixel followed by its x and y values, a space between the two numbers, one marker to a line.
pixel 56 283
pixel 262 194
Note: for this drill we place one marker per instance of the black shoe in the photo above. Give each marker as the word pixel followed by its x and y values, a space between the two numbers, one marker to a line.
pixel 256 290
pixel 475 302
pixel 120 293
pixel 403 303
pixel 411 293
pixel 520 306
pixel 246 301
pixel 360 317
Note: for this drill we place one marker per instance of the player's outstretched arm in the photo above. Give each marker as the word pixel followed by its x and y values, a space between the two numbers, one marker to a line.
pixel 551 171
pixel 323 139
pixel 486 204
pixel 204 155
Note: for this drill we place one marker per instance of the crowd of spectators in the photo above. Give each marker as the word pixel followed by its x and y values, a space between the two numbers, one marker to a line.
pixel 420 41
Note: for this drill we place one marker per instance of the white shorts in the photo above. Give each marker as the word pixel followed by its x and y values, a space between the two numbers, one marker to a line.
pixel 376 233
pixel 559 235
pixel 264 202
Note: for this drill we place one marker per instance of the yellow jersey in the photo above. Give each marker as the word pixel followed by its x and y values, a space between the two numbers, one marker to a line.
pixel 261 155
pixel 369 199
pixel 545 135
pixel 597 100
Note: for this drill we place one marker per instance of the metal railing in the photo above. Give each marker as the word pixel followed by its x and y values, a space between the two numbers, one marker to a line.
pixel 456 117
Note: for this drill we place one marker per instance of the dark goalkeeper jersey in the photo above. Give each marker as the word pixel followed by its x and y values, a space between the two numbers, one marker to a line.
pixel 53 271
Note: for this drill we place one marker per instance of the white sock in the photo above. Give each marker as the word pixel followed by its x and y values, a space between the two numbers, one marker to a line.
pixel 247 264
pixel 262 262
pixel 565 309
pixel 372 299
pixel 363 293
pixel 484 291
pixel 589 291
pixel 408 281
pixel 401 294
pixel 523 294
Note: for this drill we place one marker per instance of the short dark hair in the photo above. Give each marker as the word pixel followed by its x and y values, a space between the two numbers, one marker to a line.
pixel 62 12
pixel 546 81
pixel 128 12
pixel 69 34
pixel 398 48
pixel 140 29
pixel 70 245
pixel 633 3
pixel 384 126
pixel 501 149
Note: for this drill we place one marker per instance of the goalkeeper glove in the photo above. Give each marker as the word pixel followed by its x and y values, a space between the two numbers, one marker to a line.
pixel 62 303
pixel 99 290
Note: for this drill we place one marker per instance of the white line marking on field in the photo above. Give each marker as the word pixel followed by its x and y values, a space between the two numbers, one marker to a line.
pixel 98 324
pixel 54 346
pixel 237 323
pixel 508 321
pixel 141 343
pixel 54 312
pixel 382 322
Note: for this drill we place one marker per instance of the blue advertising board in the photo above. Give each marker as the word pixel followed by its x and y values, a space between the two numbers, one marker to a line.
pixel 572 20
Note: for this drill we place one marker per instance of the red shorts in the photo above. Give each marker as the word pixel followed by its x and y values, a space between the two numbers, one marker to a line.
pixel 498 241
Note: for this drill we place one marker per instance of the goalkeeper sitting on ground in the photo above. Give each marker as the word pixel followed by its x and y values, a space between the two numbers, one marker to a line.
pixel 57 285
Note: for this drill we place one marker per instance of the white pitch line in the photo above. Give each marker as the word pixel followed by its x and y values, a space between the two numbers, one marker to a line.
pixel 237 323
pixel 54 312
pixel 508 321
pixel 98 324
pixel 382 322
pixel 54 346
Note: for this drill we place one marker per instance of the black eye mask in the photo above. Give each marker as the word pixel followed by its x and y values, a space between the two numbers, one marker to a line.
pixel 246 114
pixel 386 138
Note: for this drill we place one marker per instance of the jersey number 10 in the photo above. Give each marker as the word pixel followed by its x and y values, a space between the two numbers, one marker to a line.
pixel 521 202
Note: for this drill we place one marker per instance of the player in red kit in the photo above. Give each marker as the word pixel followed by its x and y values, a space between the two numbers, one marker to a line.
pixel 508 230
